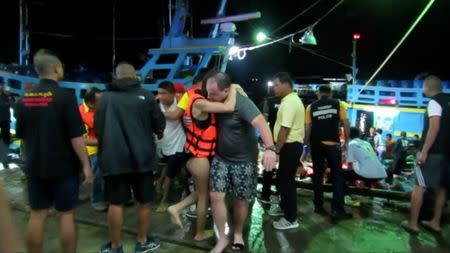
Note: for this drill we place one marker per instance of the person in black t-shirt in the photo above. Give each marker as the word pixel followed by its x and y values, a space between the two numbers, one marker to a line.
pixel 433 165
pixel 49 122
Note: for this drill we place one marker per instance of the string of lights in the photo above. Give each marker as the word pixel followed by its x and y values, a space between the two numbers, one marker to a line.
pixel 236 52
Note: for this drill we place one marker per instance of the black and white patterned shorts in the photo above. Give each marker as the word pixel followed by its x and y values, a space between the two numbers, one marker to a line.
pixel 238 179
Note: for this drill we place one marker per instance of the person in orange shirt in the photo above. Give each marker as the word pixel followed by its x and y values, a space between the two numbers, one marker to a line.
pixel 390 146
pixel 87 110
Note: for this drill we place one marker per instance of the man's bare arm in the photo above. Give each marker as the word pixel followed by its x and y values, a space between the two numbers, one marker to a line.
pixel 282 138
pixel 90 141
pixel 79 147
pixel 269 158
pixel 307 134
pixel 227 106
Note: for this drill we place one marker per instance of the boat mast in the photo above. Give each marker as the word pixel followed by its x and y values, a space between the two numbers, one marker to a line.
pixel 220 13
pixel 24 33
pixel 113 34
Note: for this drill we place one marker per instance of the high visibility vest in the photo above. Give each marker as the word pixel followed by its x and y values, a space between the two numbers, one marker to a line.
pixel 200 142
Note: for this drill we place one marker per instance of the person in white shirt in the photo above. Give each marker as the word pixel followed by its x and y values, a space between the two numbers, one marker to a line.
pixel 362 158
pixel 380 145
pixel 171 145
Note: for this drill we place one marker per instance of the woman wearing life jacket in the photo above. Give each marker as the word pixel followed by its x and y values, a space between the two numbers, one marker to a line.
pixel 201 143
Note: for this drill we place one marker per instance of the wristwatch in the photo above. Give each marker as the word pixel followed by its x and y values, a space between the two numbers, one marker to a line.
pixel 271 148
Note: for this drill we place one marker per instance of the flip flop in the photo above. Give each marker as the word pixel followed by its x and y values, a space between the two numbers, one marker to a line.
pixel 237 247
pixel 412 231
pixel 427 226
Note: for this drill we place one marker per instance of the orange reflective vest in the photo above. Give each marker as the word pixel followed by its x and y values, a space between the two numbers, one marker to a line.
pixel 200 142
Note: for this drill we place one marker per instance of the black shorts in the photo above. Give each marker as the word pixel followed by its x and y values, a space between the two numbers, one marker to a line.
pixel 435 173
pixel 62 193
pixel 175 163
pixel 118 188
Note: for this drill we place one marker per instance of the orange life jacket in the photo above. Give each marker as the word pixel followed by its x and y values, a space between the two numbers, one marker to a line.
pixel 200 142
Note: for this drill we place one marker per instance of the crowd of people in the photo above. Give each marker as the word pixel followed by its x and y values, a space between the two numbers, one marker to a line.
pixel 116 138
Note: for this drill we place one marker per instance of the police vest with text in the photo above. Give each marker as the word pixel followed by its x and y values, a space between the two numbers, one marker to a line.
pixel 325 120
pixel 200 137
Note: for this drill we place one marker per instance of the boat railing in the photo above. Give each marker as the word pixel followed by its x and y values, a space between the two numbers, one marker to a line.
pixel 17 85
pixel 400 96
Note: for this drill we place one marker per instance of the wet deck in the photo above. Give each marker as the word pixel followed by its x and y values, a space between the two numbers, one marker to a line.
pixel 374 227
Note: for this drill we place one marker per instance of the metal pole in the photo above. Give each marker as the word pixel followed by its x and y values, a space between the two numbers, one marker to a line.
pixel 191 19
pixel 220 12
pixel 170 14
pixel 354 69
pixel 20 31
pixel 113 34
pixel 27 36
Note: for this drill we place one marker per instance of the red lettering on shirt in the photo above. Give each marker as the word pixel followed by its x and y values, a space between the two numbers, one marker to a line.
pixel 37 101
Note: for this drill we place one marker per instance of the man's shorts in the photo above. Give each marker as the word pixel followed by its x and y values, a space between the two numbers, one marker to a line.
pixel 62 193
pixel 175 163
pixel 239 179
pixel 435 173
pixel 118 188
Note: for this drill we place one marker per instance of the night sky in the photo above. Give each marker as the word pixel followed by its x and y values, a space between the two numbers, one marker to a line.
pixel 380 22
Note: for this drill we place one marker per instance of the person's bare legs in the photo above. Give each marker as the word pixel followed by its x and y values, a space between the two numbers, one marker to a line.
pixel 143 222
pixel 115 222
pixel 416 204
pixel 199 168
pixel 35 230
pixel 175 210
pixel 184 179
pixel 10 240
pixel 196 167
pixel 161 178
pixel 240 207
pixel 439 204
pixel 165 191
pixel 219 213
pixel 67 231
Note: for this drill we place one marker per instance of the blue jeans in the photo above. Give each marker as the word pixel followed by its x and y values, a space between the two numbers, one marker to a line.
pixel 97 195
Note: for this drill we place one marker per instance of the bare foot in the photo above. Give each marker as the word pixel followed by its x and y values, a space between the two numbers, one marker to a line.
pixel 221 245
pixel 431 226
pixel 238 239
pixel 200 237
pixel 409 228
pixel 174 216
